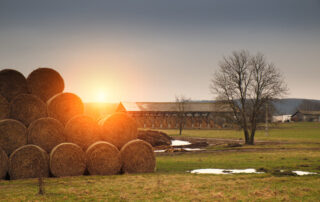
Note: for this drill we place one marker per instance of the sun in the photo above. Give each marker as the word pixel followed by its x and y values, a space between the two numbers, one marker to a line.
pixel 101 96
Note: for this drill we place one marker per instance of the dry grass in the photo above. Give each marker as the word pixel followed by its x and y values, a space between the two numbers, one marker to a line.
pixel 167 187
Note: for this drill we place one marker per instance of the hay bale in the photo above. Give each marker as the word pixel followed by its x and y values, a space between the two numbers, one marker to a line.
pixel 103 158
pixel 45 83
pixel 67 159
pixel 13 134
pixel 4 161
pixel 64 106
pixel 4 108
pixel 118 129
pixel 12 83
pixel 155 138
pixel 27 108
pixel 83 131
pixel 46 133
pixel 137 156
pixel 29 161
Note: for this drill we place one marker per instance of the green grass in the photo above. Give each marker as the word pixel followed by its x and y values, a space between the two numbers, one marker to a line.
pixel 293 132
pixel 173 182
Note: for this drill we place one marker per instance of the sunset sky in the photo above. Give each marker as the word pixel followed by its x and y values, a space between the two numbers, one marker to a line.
pixel 148 50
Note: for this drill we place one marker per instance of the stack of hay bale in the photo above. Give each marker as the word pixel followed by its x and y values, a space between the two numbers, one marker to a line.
pixel 43 132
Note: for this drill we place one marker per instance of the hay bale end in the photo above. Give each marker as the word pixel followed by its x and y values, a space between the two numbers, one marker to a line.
pixel 103 158
pixel 137 156
pixel 83 131
pixel 46 133
pixel 29 161
pixel 45 83
pixel 64 106
pixel 118 129
pixel 67 159
pixel 12 83
pixel 27 108
pixel 13 134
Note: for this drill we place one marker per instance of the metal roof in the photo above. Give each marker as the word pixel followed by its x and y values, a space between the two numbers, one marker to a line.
pixel 173 106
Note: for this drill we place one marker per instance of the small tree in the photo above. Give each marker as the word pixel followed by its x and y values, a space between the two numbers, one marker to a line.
pixel 181 108
pixel 247 82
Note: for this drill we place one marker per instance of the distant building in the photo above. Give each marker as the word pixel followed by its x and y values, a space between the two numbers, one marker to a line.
pixel 200 115
pixel 310 116
pixel 281 118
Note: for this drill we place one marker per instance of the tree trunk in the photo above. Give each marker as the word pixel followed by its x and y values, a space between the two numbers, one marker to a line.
pixel 180 129
pixel 251 142
pixel 246 136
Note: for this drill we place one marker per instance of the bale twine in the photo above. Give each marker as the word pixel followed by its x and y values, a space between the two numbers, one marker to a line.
pixel 45 83
pixel 13 134
pixel 4 161
pixel 67 159
pixel 12 83
pixel 64 106
pixel 46 133
pixel 27 108
pixel 29 161
pixel 137 156
pixel 83 131
pixel 103 158
pixel 118 129
pixel 4 108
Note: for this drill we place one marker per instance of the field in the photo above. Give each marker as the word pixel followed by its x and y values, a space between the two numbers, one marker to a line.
pixel 292 146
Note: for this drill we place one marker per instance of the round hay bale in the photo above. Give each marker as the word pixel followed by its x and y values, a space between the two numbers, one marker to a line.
pixel 64 106
pixel 46 133
pixel 137 156
pixel 4 108
pixel 4 161
pixel 118 129
pixel 12 83
pixel 67 159
pixel 29 161
pixel 83 131
pixel 45 83
pixel 27 108
pixel 13 134
pixel 103 158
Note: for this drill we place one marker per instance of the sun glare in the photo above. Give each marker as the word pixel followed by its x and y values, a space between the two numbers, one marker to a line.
pixel 101 97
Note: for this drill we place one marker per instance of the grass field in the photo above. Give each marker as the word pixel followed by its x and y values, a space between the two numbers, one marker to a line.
pixel 299 150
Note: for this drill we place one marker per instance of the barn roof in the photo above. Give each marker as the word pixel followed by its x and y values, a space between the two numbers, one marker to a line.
pixel 173 106
pixel 309 112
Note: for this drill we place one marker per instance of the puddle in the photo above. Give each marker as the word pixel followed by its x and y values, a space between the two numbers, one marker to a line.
pixel 224 171
pixel 298 172
pixel 179 143
pixel 193 149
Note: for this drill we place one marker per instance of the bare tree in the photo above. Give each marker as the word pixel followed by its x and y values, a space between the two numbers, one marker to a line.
pixel 247 82
pixel 181 107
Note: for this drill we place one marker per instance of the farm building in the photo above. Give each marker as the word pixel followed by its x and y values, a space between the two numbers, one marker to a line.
pixel 311 116
pixel 197 115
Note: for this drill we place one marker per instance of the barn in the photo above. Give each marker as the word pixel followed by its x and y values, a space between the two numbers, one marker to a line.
pixel 310 116
pixel 166 115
